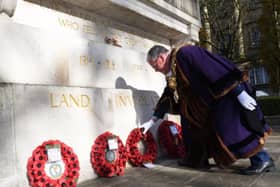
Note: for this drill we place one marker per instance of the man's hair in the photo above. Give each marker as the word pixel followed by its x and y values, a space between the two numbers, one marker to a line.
pixel 155 51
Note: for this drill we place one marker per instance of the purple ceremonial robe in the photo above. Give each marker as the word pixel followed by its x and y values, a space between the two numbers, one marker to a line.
pixel 209 79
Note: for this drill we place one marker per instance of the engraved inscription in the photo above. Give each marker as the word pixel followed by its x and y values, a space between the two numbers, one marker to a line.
pixel 86 59
pixel 76 26
pixel 138 67
pixel 123 100
pixel 69 24
pixel 154 99
pixel 107 64
pixel 140 99
pixel 69 100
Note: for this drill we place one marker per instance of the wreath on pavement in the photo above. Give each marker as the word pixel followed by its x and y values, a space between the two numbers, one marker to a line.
pixel 62 173
pixel 170 138
pixel 135 156
pixel 108 158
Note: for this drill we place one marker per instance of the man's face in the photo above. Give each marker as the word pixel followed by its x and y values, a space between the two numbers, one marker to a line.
pixel 160 64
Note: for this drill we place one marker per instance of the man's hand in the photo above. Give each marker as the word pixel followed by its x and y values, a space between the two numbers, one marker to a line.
pixel 147 125
pixel 247 101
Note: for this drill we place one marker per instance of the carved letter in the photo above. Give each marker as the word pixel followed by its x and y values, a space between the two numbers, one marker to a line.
pixel 68 23
pixel 85 101
pixel 64 100
pixel 52 101
pixel 75 26
pixel 83 60
pixel 142 100
pixel 62 22
pixel 76 101
pixel 88 29
pixel 154 99
pixel 123 100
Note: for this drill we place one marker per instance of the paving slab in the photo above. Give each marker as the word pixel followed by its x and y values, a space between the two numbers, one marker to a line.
pixel 167 173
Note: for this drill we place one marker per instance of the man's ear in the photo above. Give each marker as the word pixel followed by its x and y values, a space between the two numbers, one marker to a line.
pixel 161 57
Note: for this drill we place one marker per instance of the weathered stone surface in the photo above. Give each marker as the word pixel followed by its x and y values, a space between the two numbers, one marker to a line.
pixel 32 114
pixel 7 137
pixel 70 74
pixel 36 56
pixel 66 18
pixel 167 173
pixel 156 17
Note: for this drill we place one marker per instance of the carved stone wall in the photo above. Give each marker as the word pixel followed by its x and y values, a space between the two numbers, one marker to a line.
pixel 67 73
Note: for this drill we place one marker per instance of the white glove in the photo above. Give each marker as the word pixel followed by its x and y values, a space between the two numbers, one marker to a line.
pixel 147 125
pixel 247 101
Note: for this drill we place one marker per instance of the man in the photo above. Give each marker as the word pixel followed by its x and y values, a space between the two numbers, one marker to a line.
pixel 219 118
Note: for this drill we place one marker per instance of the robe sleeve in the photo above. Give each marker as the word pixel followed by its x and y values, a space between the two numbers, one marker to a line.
pixel 221 74
pixel 166 104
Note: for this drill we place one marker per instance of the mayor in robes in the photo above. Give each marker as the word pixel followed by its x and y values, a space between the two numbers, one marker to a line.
pixel 219 115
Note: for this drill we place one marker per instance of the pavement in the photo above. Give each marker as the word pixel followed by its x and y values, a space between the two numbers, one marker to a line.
pixel 167 173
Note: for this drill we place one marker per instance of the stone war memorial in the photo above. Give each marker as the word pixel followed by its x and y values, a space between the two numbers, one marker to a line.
pixel 72 70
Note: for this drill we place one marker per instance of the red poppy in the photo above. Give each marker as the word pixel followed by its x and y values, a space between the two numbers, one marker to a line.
pixel 106 162
pixel 36 166
pixel 170 138
pixel 135 157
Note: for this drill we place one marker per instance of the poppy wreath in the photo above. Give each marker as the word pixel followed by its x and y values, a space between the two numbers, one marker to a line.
pixel 135 157
pixel 172 143
pixel 99 151
pixel 36 167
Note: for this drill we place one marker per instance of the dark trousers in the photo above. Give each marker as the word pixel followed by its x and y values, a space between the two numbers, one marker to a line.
pixel 196 148
pixel 259 158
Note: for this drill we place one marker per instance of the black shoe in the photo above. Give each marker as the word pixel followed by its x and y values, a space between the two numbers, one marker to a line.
pixel 267 166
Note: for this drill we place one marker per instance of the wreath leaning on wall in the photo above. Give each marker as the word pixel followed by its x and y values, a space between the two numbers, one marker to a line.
pixel 170 138
pixel 106 161
pixel 55 175
pixel 135 156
